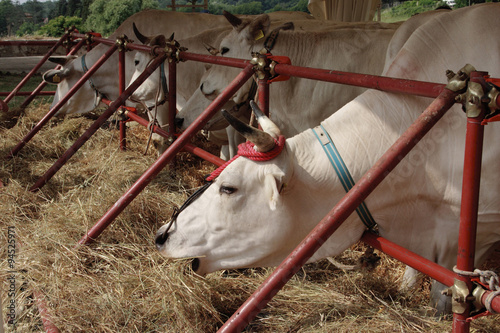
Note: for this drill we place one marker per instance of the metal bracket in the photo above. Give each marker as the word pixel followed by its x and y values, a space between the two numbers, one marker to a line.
pixel 460 295
pixel 458 82
pixel 261 65
pixel 122 42
pixel 173 50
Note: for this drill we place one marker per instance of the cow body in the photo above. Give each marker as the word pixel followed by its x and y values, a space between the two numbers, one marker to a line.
pixel 357 47
pixel 255 213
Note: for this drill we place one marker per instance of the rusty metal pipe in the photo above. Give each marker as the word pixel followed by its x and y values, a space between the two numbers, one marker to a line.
pixel 62 101
pixel 437 272
pixel 37 67
pixel 172 97
pixel 469 205
pixel 419 88
pixel 166 157
pixel 339 213
pixel 225 61
pixel 97 124
pixel 121 89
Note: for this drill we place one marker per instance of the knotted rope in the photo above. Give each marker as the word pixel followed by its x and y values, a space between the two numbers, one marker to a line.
pixel 247 150
pixel 488 278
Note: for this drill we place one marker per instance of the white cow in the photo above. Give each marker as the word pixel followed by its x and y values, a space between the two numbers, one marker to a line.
pixel 105 80
pixel 255 213
pixel 356 47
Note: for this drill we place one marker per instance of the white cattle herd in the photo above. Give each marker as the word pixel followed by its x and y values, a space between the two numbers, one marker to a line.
pixel 256 212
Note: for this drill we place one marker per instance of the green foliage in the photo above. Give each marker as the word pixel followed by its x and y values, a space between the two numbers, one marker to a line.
pixel 107 15
pixel 57 26
pixel 27 28
pixel 410 8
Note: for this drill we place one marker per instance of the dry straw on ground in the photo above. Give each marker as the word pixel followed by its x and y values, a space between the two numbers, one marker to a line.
pixel 121 283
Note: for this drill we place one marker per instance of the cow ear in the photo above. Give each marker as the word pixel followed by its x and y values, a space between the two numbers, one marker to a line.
pixel 62 60
pixel 258 28
pixel 55 76
pixel 272 188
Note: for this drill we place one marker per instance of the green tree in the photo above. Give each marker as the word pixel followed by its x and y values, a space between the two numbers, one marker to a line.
pixel 57 26
pixel 107 15
pixel 27 28
pixel 11 17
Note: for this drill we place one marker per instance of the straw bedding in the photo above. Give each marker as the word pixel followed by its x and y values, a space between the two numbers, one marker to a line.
pixel 121 284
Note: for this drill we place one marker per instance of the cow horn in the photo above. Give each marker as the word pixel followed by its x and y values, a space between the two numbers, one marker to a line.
pixel 235 21
pixel 267 125
pixel 212 50
pixel 263 141
pixel 143 39
pixel 62 60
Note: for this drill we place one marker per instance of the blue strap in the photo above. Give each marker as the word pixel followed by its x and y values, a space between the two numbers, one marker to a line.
pixel 342 172
pixel 85 70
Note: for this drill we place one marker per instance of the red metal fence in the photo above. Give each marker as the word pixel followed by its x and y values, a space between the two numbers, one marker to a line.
pixel 444 99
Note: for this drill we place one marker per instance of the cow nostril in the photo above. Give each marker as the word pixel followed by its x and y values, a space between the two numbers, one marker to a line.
pixel 195 264
pixel 160 239
pixel 179 122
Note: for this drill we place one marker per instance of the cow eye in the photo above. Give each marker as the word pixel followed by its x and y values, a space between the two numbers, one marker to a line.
pixel 136 62
pixel 227 190
pixel 224 50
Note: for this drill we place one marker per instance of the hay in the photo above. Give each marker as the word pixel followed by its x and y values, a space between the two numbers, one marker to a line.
pixel 121 283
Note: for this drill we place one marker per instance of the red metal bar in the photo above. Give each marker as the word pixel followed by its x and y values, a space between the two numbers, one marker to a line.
pixel 37 67
pixel 339 213
pixel 224 61
pixel 166 157
pixel 469 206
pixel 437 272
pixel 495 302
pixel 263 88
pixel 28 93
pixel 419 88
pixel 38 90
pixel 48 325
pixel 188 147
pixel 121 82
pixel 97 124
pixel 172 97
pixel 63 100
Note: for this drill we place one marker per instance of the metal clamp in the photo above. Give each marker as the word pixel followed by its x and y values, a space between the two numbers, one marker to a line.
pixel 122 42
pixel 460 296
pixel 261 65
pixel 173 50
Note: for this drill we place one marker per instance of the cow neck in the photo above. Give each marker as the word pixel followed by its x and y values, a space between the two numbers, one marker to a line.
pixel 91 82
pixel 342 173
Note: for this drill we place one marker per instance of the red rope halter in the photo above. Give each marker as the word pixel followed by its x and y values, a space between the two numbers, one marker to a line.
pixel 247 150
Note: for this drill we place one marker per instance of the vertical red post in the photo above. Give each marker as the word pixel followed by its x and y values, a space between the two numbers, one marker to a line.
pixel 121 79
pixel 263 89
pixel 172 97
pixel 469 205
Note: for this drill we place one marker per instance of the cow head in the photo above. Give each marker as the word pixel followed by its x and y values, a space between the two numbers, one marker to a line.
pixel 215 229
pixel 84 100
pixel 245 37
pixel 151 89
